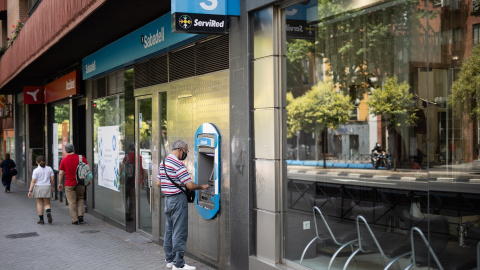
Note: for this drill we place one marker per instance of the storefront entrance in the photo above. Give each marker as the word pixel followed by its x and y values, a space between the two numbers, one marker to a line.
pixel 143 141
pixel 150 134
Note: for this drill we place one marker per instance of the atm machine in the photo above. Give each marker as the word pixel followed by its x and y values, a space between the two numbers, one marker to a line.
pixel 207 170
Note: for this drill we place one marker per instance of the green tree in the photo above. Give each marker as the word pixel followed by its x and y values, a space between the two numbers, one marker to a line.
pixel 466 89
pixel 355 43
pixel 319 108
pixel 298 51
pixel 62 113
pixel 395 103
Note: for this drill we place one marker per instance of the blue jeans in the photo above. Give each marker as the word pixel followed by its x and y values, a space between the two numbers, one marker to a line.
pixel 176 228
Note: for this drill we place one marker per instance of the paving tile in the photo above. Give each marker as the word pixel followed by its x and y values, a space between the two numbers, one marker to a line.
pixel 92 245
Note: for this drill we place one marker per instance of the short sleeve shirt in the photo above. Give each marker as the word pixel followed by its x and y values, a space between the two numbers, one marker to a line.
pixel 6 165
pixel 177 172
pixel 42 175
pixel 69 166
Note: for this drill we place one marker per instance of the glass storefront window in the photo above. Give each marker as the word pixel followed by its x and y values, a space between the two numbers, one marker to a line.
pixel 108 123
pixel 164 149
pixel 61 133
pixel 20 133
pixel 382 123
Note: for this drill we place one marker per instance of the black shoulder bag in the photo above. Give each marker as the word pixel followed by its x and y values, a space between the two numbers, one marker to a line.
pixel 12 170
pixel 189 193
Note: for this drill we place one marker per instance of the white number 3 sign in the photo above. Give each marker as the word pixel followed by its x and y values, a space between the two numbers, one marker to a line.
pixel 213 5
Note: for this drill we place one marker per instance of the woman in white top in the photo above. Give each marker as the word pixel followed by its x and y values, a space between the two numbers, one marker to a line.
pixel 41 188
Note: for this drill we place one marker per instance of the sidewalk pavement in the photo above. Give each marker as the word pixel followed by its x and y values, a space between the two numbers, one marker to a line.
pixel 24 244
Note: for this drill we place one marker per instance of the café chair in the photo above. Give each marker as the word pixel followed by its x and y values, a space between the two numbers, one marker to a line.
pixel 340 233
pixel 473 234
pixel 473 239
pixel 438 252
pixel 390 245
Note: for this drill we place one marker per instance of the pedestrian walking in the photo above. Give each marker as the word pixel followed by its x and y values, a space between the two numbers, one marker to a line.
pixel 74 192
pixel 7 165
pixel 176 204
pixel 41 188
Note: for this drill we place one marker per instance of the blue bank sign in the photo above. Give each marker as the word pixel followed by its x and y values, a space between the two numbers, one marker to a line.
pixel 212 7
pixel 203 16
pixel 153 38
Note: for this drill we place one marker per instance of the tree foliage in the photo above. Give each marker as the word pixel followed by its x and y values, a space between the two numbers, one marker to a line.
pixel 321 106
pixel 355 43
pixel 393 101
pixel 298 49
pixel 466 89
pixel 62 113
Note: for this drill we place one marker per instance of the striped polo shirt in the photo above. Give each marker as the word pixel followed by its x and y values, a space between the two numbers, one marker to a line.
pixel 177 172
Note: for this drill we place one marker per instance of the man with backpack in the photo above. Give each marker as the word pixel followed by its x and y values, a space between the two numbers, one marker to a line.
pixel 73 190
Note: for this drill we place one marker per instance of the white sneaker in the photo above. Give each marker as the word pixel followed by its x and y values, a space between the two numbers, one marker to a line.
pixel 170 265
pixel 185 266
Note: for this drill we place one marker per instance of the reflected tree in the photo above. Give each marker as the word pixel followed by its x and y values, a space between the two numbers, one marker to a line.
pixel 466 89
pixel 355 43
pixel 395 103
pixel 320 108
pixel 62 113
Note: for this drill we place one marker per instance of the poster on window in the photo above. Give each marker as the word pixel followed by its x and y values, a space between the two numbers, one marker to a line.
pixel 108 150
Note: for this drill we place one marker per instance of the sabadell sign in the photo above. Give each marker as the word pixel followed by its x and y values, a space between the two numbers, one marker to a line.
pixel 151 39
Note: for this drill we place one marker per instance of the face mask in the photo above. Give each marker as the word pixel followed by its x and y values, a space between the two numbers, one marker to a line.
pixel 184 155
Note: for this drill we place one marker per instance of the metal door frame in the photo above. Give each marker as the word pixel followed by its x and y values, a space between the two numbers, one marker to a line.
pixel 139 166
pixel 152 92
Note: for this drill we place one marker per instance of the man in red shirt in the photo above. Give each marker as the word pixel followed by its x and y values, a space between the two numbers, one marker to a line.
pixel 74 193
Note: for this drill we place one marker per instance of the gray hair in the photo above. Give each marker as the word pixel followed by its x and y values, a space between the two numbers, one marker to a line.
pixel 179 144
pixel 69 148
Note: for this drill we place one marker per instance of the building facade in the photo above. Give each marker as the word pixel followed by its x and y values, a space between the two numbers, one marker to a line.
pixel 281 112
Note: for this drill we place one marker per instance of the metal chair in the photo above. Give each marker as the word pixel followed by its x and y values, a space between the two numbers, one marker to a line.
pixel 388 244
pixel 440 252
pixel 473 234
pixel 341 235
pixel 429 247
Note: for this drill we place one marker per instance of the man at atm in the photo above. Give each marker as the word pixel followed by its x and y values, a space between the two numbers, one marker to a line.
pixel 176 205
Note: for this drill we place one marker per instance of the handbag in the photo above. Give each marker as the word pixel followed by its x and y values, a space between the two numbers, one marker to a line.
pixel 189 193
pixel 13 171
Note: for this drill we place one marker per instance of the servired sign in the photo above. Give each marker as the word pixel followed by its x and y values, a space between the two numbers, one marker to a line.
pixel 63 87
pixel 33 95
pixel 203 16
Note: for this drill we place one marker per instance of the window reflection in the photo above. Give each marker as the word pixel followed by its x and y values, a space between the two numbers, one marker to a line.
pixel 370 77
pixel 62 124
pixel 108 112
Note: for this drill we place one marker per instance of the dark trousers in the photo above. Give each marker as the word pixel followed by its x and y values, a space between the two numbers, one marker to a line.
pixel 7 180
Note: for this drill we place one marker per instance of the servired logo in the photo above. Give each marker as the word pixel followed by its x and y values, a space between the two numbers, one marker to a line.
pixel 185 21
